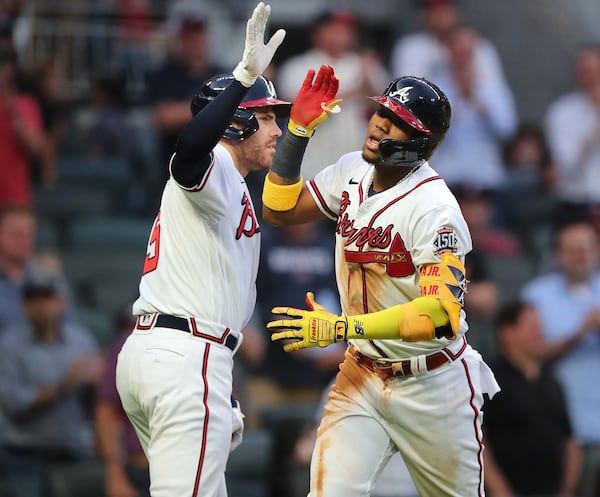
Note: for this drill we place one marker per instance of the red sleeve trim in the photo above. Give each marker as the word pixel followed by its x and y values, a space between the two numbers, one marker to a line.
pixel 321 200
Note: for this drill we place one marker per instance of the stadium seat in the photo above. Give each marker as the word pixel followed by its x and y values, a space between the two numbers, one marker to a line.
pixel 84 479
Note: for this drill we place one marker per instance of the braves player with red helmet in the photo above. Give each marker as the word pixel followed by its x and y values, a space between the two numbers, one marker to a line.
pixel 174 372
pixel 410 382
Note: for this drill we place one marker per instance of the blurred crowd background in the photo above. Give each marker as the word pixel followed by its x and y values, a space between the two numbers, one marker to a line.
pixel 92 96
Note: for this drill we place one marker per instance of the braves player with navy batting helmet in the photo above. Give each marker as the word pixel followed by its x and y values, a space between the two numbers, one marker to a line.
pixel 410 382
pixel 174 372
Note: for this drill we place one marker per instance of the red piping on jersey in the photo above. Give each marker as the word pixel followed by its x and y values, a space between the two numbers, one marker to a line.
pixel 205 179
pixel 380 211
pixel 205 423
pixel 392 202
pixel 322 200
pixel 364 285
pixel 477 432
pixel 210 338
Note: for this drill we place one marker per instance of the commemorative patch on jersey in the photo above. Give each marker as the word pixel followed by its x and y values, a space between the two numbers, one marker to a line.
pixel 445 241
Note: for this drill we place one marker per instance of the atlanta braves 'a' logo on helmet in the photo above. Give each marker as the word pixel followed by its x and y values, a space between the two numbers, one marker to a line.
pixel 401 94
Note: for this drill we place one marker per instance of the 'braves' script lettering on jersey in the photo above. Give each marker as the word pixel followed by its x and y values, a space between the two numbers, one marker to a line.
pixel 397 259
pixel 373 237
pixel 248 217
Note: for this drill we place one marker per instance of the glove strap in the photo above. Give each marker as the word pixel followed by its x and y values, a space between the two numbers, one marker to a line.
pixel 243 75
pixel 341 330
pixel 298 130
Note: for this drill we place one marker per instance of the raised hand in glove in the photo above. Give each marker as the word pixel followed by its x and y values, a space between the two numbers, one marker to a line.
pixel 421 319
pixel 314 102
pixel 257 56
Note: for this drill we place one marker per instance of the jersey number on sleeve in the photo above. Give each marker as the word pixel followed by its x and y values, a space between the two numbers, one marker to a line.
pixel 153 249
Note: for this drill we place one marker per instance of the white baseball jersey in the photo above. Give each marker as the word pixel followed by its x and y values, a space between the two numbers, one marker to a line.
pixel 383 240
pixel 175 383
pixel 204 248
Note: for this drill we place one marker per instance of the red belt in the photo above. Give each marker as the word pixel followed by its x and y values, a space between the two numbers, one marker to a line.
pixel 387 370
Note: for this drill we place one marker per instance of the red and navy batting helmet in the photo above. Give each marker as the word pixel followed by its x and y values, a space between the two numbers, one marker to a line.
pixel 425 108
pixel 260 94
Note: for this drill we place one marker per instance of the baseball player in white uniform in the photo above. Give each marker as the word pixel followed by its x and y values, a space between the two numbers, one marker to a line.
pixel 174 373
pixel 410 382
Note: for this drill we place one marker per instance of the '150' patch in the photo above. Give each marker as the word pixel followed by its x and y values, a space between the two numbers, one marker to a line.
pixel 445 241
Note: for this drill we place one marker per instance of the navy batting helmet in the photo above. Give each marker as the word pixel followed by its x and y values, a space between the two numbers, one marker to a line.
pixel 425 108
pixel 260 94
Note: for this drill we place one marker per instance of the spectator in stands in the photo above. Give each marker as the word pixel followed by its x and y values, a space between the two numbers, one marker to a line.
pixel 525 201
pixel 293 260
pixel 171 86
pixel 106 132
pixel 425 52
pixel 21 135
pixel 18 226
pixel 528 162
pixel 572 127
pixel 47 82
pixel 530 446
pixel 17 243
pixel 481 303
pixel 135 29
pixel 490 240
pixel 482 298
pixel 568 302
pixel 479 210
pixel 483 116
pixel 103 129
pixel 334 39
pixel 48 367
pixel 125 463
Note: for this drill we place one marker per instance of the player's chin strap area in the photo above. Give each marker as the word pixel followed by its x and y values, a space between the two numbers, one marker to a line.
pixel 406 153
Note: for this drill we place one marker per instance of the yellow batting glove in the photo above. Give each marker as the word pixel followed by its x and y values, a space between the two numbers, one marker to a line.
pixel 422 319
pixel 316 327
pixel 314 102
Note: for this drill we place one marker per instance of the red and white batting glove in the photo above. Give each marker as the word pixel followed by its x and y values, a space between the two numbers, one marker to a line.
pixel 314 102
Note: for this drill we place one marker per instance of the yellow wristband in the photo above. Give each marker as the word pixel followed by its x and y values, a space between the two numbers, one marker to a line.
pixel 281 197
